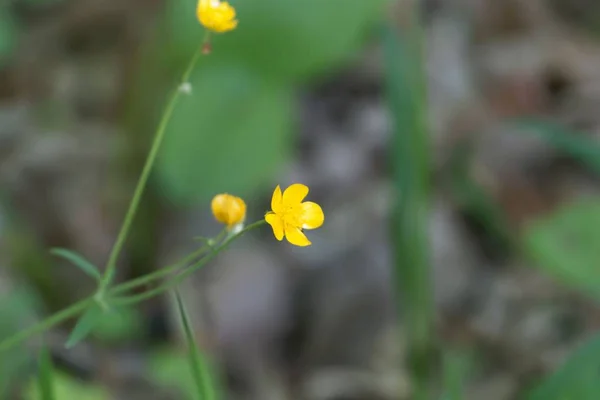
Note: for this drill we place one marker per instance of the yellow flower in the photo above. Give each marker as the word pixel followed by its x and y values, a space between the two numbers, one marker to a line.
pixel 229 210
pixel 216 16
pixel 289 215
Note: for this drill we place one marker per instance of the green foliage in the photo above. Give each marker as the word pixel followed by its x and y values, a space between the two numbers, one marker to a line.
pixel 405 89
pixel 119 324
pixel 203 378
pixel 17 308
pixel 282 39
pixel 565 245
pixel 233 132
pixel 572 143
pixel 457 365
pixel 79 261
pixel 171 369
pixel 86 323
pixel 45 375
pixel 229 135
pixel 111 325
pixel 576 379
pixel 8 34
pixel 67 388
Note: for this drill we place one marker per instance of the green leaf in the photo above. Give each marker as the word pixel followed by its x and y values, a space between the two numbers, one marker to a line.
pixel 171 370
pixel 112 325
pixel 8 34
pixel 566 245
pixel 230 135
pixel 86 323
pixel 283 39
pixel 119 324
pixel 457 365
pixel 45 373
pixel 576 144
pixel 577 379
pixel 67 387
pixel 205 387
pixel 405 86
pixel 78 260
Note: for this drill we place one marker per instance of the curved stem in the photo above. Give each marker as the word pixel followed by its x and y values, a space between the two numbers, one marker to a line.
pixel 48 323
pixel 161 273
pixel 139 190
pixel 187 272
pixel 80 306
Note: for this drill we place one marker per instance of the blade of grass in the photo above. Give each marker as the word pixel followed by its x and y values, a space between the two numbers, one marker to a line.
pixel 575 144
pixel 405 84
pixel 45 373
pixel 200 366
pixel 457 364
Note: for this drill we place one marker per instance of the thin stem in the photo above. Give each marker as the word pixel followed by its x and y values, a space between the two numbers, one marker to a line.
pixel 161 273
pixel 139 190
pixel 80 306
pixel 186 273
pixel 48 323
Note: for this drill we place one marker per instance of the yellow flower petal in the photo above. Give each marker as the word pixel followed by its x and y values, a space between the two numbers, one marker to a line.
pixel 312 215
pixel 229 210
pixel 276 200
pixel 294 194
pixel 216 16
pixel 276 223
pixel 295 236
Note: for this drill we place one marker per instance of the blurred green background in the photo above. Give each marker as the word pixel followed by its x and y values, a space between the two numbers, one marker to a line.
pixel 460 248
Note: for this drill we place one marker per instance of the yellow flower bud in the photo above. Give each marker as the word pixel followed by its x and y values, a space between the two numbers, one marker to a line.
pixel 229 210
pixel 216 16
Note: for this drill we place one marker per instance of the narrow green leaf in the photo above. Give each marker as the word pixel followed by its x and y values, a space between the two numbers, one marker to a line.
pixel 457 364
pixel 576 144
pixel 199 364
pixel 577 379
pixel 87 322
pixel 565 245
pixel 45 375
pixel 78 260
pixel 406 95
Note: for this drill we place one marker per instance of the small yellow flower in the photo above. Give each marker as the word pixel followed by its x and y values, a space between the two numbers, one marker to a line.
pixel 216 16
pixel 289 215
pixel 229 210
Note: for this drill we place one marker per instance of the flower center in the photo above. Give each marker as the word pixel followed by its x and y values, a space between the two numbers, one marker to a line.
pixel 292 215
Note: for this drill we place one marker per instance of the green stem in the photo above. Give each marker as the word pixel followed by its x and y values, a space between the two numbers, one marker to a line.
pixel 161 273
pixel 80 306
pixel 48 323
pixel 186 273
pixel 139 190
